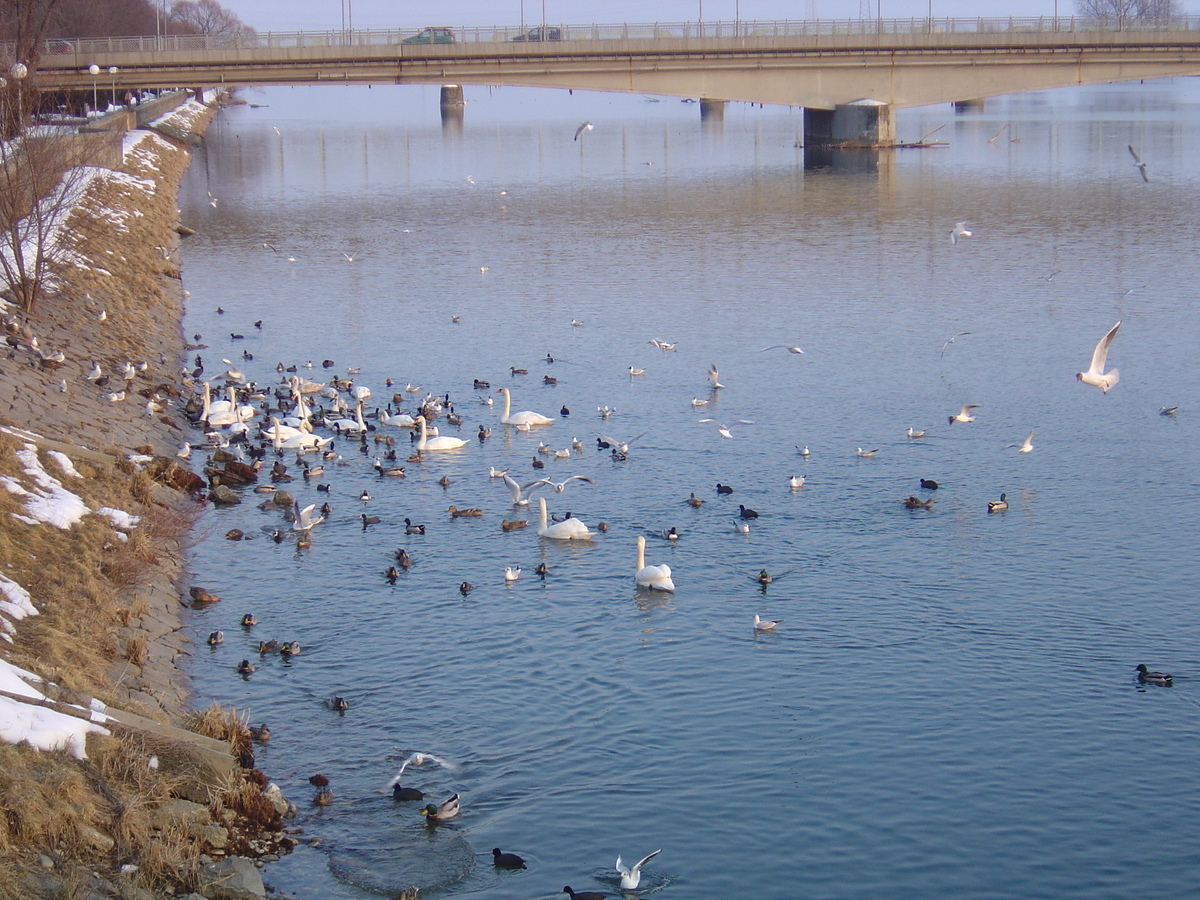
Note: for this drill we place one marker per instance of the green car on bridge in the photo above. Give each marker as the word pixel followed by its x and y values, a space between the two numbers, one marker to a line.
pixel 431 36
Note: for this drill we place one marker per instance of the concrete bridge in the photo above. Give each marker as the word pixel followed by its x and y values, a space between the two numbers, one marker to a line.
pixel 851 74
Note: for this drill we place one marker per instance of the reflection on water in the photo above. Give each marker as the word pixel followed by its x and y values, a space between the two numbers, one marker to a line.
pixel 947 708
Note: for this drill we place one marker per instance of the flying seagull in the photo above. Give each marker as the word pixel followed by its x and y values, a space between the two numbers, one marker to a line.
pixel 583 126
pixel 781 347
pixel 1137 161
pixel 964 415
pixel 960 230
pixel 1095 375
pixel 951 341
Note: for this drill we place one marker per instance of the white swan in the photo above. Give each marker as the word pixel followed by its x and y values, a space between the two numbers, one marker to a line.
pixel 444 442
pixel 353 426
pixel 522 418
pixel 400 420
pixel 216 406
pixel 657 578
pixel 566 530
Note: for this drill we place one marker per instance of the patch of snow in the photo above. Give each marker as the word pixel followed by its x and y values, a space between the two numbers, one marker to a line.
pixel 119 518
pixel 45 729
pixel 17 603
pixel 64 463
pixel 49 501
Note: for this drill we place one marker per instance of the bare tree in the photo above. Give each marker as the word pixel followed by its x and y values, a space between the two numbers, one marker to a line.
pixel 1130 10
pixel 40 179
pixel 207 17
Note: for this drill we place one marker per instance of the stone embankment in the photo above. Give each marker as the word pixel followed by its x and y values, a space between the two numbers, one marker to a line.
pixel 94 520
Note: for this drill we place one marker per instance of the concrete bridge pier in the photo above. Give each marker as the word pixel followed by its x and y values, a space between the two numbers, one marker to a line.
pixel 712 112
pixel 453 107
pixel 867 123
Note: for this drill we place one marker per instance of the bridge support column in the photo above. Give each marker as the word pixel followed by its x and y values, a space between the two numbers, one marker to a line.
pixel 866 122
pixel 452 104
pixel 712 111
pixel 818 126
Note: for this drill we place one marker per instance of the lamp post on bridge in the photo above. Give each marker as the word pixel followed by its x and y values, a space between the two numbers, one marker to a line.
pixel 112 74
pixel 94 70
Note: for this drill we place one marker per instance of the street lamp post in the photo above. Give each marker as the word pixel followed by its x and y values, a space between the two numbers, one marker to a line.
pixel 112 72
pixel 94 70
pixel 18 73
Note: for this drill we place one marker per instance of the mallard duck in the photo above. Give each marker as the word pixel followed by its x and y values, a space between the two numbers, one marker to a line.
pixel 918 503
pixel 929 484
pixel 1000 505
pixel 763 577
pixel 410 528
pixel 694 501
pixel 245 667
pixel 339 705
pixel 392 574
pixel 443 811
pixel 261 733
pixel 248 620
pixel 288 649
pixel 265 647
pixel 542 570
pixel 506 860
pixel 513 525
pixel 484 432
pixel 402 559
pixel 323 797
pixel 444 481
pixel 481 385
pixel 1145 676
pixel 471 512
pixel 217 637
pixel 515 371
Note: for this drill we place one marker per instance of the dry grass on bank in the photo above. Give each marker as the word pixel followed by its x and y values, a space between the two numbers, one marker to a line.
pixel 80 578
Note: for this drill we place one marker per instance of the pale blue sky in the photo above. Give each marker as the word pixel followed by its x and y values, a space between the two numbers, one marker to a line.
pixel 292 15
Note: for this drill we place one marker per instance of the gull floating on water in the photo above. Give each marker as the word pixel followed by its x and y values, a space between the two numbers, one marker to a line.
pixel 765 624
pixel 803 451
pixel 512 573
pixel 913 433
pixel 867 454
pixel 959 230
pixel 1095 375
pixel 631 877
pixel 796 481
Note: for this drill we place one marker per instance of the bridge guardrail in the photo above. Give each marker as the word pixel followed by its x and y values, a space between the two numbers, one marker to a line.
pixel 95 48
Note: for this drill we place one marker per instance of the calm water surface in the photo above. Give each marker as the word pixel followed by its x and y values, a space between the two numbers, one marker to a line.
pixel 948 708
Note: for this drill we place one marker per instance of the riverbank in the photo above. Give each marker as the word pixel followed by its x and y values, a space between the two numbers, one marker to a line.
pixel 93 529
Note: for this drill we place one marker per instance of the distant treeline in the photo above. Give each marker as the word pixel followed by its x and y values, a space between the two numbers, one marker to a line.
pixel 24 21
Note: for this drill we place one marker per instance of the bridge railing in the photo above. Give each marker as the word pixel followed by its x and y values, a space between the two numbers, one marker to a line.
pixel 96 48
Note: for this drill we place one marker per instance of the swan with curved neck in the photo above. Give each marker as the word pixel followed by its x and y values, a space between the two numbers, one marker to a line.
pixel 526 417
pixel 442 442
pixel 354 426
pixel 656 578
pixel 566 530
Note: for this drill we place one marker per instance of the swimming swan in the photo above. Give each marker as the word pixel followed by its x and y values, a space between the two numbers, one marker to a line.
pixel 566 530
pixel 442 442
pixel 657 578
pixel 521 418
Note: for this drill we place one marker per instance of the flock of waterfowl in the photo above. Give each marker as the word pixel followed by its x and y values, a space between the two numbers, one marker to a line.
pixel 309 428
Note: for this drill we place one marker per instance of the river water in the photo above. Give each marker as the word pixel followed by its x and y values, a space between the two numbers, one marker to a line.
pixel 949 707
